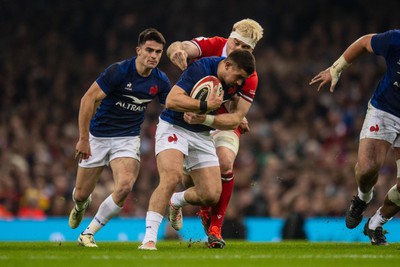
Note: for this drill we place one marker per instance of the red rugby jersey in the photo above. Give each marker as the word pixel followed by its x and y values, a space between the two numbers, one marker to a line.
pixel 216 46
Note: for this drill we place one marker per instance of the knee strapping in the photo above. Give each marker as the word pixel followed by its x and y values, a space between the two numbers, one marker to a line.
pixel 394 195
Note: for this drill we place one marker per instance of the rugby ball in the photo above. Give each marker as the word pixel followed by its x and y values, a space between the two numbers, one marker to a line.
pixel 205 86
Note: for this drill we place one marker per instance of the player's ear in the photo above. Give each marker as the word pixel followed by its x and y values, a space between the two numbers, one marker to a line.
pixel 138 51
pixel 227 64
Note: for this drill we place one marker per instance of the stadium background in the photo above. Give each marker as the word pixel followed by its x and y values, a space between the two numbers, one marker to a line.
pixel 296 163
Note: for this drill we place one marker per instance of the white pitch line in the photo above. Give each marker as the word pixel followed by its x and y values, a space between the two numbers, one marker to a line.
pixel 154 256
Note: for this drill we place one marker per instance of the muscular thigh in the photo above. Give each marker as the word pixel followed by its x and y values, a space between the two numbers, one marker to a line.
pixel 170 161
pixel 226 159
pixel 86 179
pixel 206 179
pixel 372 152
pixel 125 170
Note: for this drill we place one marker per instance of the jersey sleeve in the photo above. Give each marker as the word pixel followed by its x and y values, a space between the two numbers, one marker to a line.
pixel 209 46
pixel 165 87
pixel 381 42
pixel 190 77
pixel 111 78
pixel 249 88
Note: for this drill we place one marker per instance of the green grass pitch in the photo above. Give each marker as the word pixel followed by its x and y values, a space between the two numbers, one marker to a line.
pixel 188 254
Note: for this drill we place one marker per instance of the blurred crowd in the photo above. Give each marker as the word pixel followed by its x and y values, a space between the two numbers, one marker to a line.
pixel 300 154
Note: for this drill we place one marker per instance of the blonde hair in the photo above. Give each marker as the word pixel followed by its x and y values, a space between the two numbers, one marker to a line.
pixel 250 29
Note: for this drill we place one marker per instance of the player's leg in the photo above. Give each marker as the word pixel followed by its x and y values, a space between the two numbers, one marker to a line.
pixel 227 146
pixel 124 159
pixel 170 152
pixel 371 156
pixel 214 237
pixel 169 164
pixel 226 159
pixel 125 172
pixel 377 135
pixel 206 189
pixel 391 206
pixel 203 166
pixel 205 212
pixel 187 181
pixel 86 180
pixel 88 173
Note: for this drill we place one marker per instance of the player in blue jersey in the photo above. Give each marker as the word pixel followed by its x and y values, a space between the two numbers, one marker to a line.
pixel 245 35
pixel 380 131
pixel 110 117
pixel 179 143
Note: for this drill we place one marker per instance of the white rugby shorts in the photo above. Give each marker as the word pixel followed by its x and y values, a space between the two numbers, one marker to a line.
pixel 105 149
pixel 226 139
pixel 381 125
pixel 198 147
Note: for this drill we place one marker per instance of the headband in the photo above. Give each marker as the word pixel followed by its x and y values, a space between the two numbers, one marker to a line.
pixel 245 40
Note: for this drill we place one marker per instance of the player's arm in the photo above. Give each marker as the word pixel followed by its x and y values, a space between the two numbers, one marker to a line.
pixel 231 106
pixel 179 100
pixel 332 73
pixel 89 103
pixel 232 103
pixel 224 121
pixel 179 52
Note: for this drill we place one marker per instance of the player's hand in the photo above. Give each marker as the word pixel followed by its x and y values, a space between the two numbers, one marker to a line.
pixel 194 118
pixel 82 150
pixel 179 58
pixel 325 77
pixel 214 101
pixel 244 126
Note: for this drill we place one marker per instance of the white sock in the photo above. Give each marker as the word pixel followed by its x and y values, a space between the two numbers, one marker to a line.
pixel 366 197
pixel 377 220
pixel 153 221
pixel 178 200
pixel 107 210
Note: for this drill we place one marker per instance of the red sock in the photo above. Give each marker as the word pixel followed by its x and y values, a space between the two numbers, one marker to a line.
pixel 218 211
pixel 205 208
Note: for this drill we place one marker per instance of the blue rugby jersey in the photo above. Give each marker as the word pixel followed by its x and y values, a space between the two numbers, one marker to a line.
pixel 195 71
pixel 387 94
pixel 122 111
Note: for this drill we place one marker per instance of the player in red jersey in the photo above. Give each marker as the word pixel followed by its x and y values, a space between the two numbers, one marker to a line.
pixel 245 35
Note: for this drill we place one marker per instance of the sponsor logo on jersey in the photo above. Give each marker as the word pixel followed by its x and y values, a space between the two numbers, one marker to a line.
pixel 136 104
pixel 128 87
pixel 154 90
